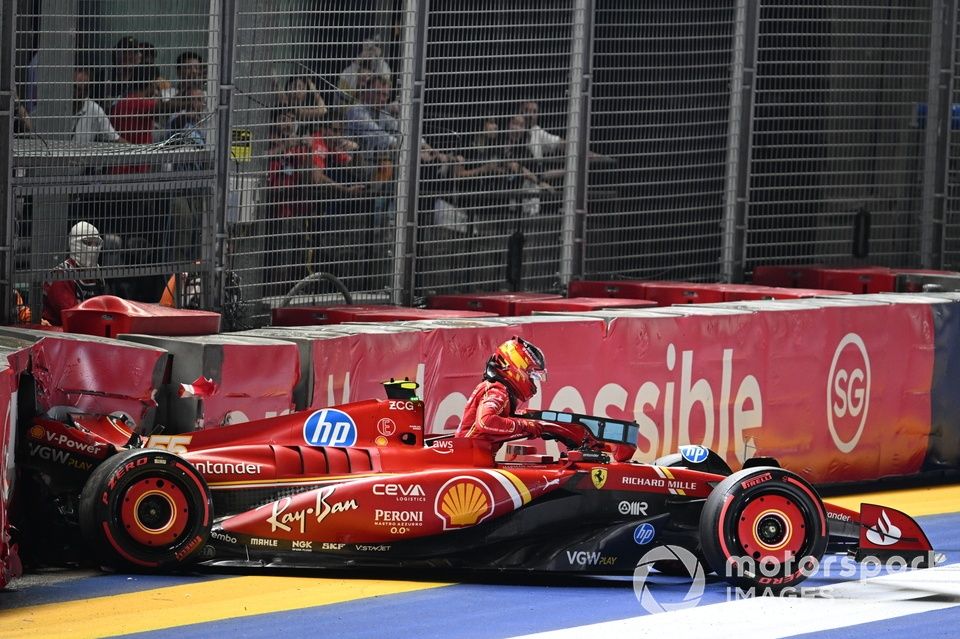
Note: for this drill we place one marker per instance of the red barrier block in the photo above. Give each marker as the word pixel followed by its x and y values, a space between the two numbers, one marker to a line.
pixel 498 303
pixel 253 378
pixel 923 282
pixel 742 292
pixel 579 304
pixel 310 315
pixel 633 289
pixel 669 293
pixel 869 279
pixel 788 276
pixel 108 316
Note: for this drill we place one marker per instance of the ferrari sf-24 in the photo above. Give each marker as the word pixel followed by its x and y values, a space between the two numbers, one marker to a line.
pixel 359 485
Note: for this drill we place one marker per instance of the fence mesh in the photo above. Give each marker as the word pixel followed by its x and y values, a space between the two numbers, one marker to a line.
pixel 837 144
pixel 660 109
pixel 494 151
pixel 112 154
pixel 951 230
pixel 318 137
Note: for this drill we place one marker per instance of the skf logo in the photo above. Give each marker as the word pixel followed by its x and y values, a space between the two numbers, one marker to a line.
pixel 462 502
pixel 848 392
pixel 330 427
pixel 599 477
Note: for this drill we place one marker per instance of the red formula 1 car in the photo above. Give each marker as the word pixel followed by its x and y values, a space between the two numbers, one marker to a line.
pixel 357 485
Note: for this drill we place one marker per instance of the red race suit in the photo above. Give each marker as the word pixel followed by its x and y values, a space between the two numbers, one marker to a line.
pixel 488 415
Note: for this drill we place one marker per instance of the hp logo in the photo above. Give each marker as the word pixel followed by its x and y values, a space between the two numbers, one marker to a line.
pixel 694 454
pixel 330 427
pixel 643 534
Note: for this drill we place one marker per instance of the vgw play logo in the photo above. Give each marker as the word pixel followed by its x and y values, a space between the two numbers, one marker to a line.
pixel 330 427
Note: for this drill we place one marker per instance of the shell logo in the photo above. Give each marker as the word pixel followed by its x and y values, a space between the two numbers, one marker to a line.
pixel 36 431
pixel 463 501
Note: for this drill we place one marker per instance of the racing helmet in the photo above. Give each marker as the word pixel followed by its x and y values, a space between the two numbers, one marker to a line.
pixel 518 364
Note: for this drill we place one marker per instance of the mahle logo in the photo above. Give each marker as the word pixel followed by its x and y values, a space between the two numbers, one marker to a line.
pixel 848 392
pixel 642 591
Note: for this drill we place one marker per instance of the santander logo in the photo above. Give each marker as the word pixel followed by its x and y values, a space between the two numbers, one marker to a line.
pixel 848 392
pixel 884 532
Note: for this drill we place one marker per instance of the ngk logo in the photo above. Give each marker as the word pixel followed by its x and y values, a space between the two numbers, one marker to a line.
pixel 848 392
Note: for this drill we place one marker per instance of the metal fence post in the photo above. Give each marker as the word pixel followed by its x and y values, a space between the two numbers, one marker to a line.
pixel 739 135
pixel 213 249
pixel 408 171
pixel 937 132
pixel 578 128
pixel 8 19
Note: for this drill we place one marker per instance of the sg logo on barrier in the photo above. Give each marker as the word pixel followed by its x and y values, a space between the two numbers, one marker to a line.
pixel 330 427
pixel 848 392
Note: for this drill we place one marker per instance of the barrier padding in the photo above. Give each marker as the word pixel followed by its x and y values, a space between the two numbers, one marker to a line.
pixel 312 315
pixel 497 303
pixel 613 288
pixel 253 377
pixel 108 316
pixel 578 304
pixel 944 448
pixel 83 373
pixel 14 360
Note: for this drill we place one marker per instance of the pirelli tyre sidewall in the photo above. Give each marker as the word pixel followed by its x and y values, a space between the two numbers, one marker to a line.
pixel 763 528
pixel 146 509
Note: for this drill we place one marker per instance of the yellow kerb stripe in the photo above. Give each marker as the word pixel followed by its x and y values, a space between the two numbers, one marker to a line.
pixel 190 604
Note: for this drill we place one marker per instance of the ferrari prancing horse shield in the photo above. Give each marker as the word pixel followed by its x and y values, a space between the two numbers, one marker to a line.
pixel 599 477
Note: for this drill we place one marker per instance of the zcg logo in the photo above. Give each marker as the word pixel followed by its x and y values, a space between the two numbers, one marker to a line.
pixel 330 427
pixel 848 392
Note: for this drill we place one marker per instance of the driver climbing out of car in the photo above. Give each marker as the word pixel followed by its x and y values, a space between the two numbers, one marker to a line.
pixel 509 380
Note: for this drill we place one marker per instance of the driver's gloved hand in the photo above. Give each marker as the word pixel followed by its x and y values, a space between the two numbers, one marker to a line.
pixel 532 427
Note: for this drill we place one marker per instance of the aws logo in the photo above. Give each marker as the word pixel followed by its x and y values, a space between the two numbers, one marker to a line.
pixel 463 501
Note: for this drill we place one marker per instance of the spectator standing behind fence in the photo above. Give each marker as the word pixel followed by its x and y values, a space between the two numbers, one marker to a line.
pixel 132 116
pixel 127 57
pixel 91 124
pixel 287 193
pixel 522 168
pixel 369 62
pixel 300 95
pixel 83 244
pixel 184 129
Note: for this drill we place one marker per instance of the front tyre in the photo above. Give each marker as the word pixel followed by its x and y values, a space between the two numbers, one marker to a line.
pixel 763 528
pixel 147 509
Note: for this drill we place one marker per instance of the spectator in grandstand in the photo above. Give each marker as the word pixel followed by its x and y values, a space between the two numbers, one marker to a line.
pixel 287 200
pixel 369 123
pixel 184 128
pixel 132 116
pixel 127 57
pixel 300 95
pixel 520 164
pixel 369 62
pixel 191 74
pixel 331 159
pixel 91 124
pixel 21 117
pixel 539 142
pixel 83 245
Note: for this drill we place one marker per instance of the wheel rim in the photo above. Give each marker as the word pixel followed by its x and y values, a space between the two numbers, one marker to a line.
pixel 154 512
pixel 772 528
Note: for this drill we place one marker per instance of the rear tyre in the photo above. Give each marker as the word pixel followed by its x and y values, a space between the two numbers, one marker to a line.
pixel 763 528
pixel 146 509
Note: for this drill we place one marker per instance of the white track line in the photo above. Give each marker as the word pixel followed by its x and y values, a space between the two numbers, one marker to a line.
pixel 844 604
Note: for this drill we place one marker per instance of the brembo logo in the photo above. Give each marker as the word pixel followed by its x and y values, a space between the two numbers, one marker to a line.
pixel 848 392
